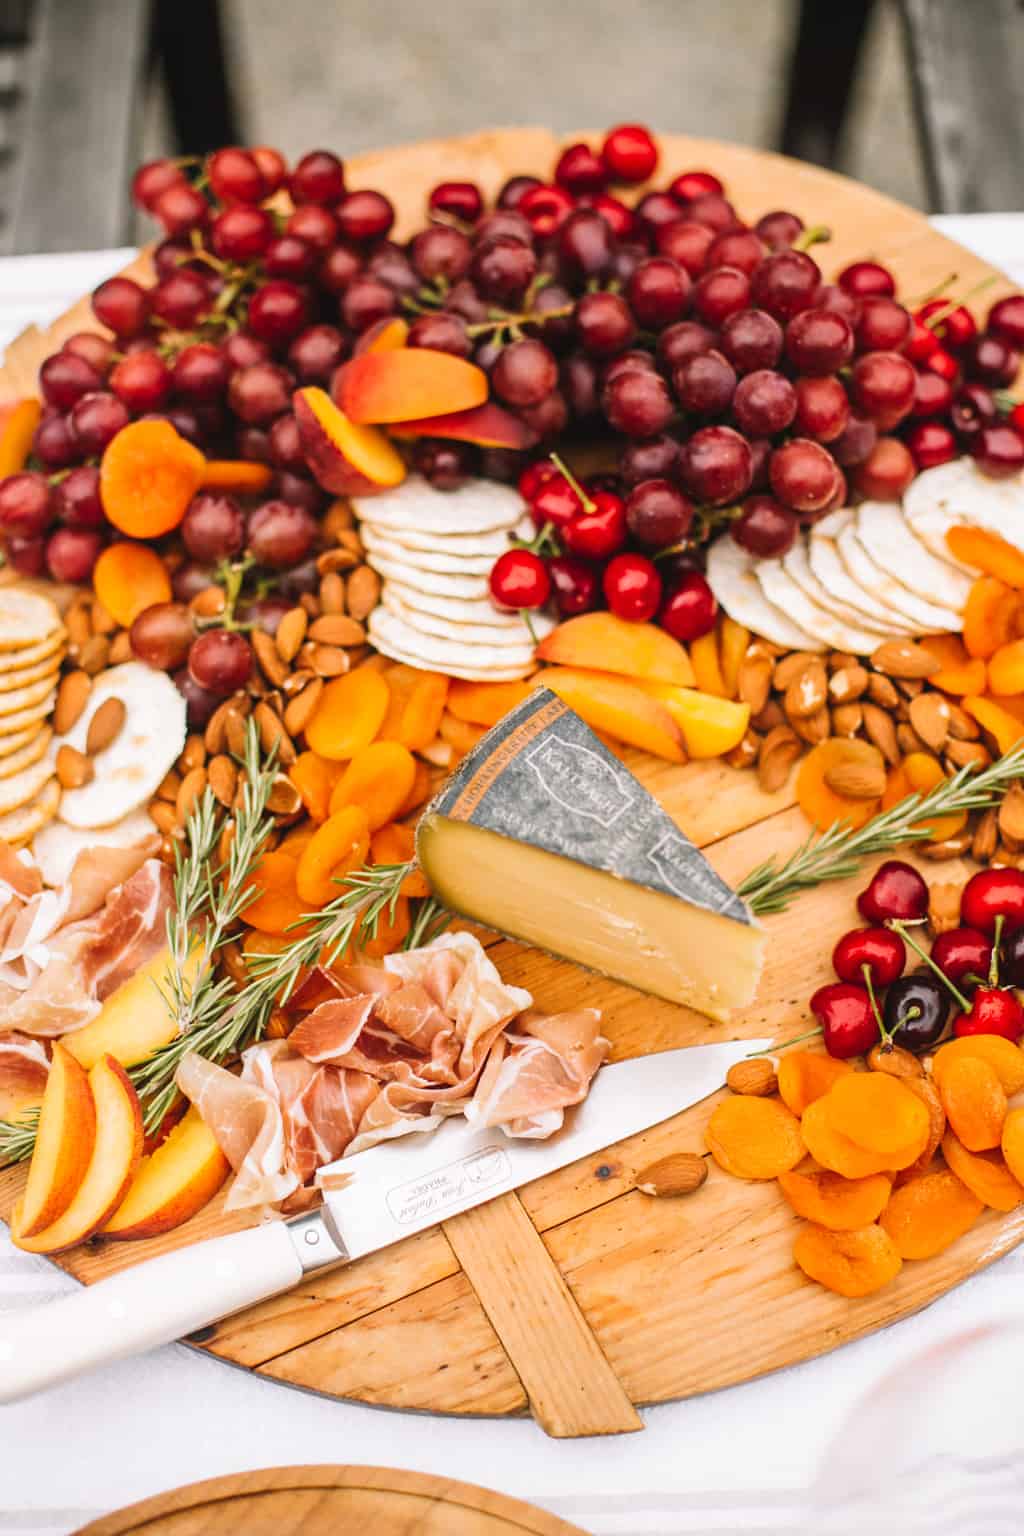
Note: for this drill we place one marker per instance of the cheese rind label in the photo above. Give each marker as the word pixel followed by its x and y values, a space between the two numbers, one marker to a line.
pixel 542 777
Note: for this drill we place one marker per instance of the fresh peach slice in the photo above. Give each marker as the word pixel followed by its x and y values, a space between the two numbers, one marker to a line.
pixel 624 710
pixel 609 644
pixel 64 1143
pixel 484 703
pixel 18 423
pixel 711 726
pixel 489 425
pixel 172 1183
pixel 345 458
pixel 115 1157
pixel 408 383
pixel 382 336
pixel 135 1020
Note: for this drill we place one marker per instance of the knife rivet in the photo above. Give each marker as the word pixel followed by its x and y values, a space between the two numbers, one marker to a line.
pixel 604 1172
pixel 312 1238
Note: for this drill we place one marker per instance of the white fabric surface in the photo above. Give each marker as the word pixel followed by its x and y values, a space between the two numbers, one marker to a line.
pixel 730 1462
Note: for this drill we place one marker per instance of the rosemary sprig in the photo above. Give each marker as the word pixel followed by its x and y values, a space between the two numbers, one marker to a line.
pixel 837 853
pixel 18 1137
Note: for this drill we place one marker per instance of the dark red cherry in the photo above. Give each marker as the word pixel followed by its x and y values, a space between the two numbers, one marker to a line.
pixel 896 890
pixel 990 894
pixel 992 1012
pixel 848 1023
pixel 962 952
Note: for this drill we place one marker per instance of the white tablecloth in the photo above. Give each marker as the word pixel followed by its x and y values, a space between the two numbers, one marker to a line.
pixel 730 1462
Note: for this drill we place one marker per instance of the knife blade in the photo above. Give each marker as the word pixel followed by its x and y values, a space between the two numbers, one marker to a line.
pixel 371 1200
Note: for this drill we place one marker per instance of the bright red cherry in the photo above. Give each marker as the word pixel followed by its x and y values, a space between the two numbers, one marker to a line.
pixel 993 1012
pixel 580 170
pixel 690 609
pixel 556 502
pixel 879 950
pixel 546 208
pixel 535 477
pixel 962 952
pixel 847 1019
pixel 955 328
pixel 630 154
pixel 896 890
pixel 519 579
pixel 990 894
pixel 864 279
pixel 693 184
pixel 600 531
pixel 632 587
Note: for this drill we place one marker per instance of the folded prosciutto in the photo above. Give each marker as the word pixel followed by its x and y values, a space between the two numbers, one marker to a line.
pixel 434 1032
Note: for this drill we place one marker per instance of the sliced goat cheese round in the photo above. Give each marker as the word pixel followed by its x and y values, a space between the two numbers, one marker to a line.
pixel 797 564
pixel 731 574
pixel 826 563
pixel 929 618
pixel 780 588
pixel 885 533
pixel 479 506
pixel 146 747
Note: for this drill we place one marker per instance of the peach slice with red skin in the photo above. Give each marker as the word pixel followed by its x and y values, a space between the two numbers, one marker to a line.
pixel 346 458
pixel 172 1183
pixel 609 703
pixel 490 426
pixel 111 1167
pixel 64 1143
pixel 407 384
pixel 385 335
pixel 606 643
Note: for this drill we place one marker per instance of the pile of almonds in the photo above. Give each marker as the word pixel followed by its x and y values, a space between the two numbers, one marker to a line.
pixel 884 710
pixel 74 768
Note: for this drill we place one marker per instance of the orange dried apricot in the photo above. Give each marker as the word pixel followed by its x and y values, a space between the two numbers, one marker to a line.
pixel 421 786
pixel 1006 669
pixel 833 1150
pixel 129 577
pixel 754 1138
pixel 988 616
pixel 276 904
pixel 349 715
pixel 416 706
pixel 336 848
pixel 988 553
pixel 949 651
pixel 294 841
pixel 974 1101
pixel 834 1202
pixel 315 777
pixel 805 1075
pixel 395 844
pixel 985 1174
pixel 148 476
pixel 850 1263
pixel 968 678
pixel 897 788
pixel 998 720
pixel 878 1113
pixel 1005 1058
pixel 242 477
pixel 1013 1143
pixel 926 1091
pixel 733 640
pixel 923 773
pixel 819 802
pixel 927 1214
pixel 485 703
pixel 378 778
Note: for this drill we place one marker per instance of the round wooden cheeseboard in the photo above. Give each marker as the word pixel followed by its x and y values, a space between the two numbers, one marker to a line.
pixel 580 1298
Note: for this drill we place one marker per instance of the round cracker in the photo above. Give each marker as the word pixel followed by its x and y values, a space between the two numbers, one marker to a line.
pixel 730 574
pixel 929 618
pixel 780 588
pixel 493 543
pixel 147 745
pixel 889 539
pixel 426 559
pixel 27 655
pixel 20 788
pixel 395 638
pixel 479 506
pixel 472 634
pixel 826 564
pixel 25 696
pixel 31 752
pixel 20 677
pixel 476 611
pixel 448 585
pixel 798 566
pixel 32 714
pixel 16 827
pixel 19 739
pixel 26 618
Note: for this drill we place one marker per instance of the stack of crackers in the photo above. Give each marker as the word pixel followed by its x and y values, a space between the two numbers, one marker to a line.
pixel 33 642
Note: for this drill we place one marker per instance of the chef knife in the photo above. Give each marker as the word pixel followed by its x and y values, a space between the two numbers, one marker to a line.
pixel 371 1200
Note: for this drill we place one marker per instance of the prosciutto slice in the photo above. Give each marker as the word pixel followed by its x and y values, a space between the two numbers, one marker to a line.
pixel 24 1068
pixel 435 1033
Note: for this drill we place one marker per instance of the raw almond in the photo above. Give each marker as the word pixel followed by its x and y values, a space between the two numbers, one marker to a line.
pixel 233 961
pixel 337 629
pixel 72 697
pixel 273 734
pixel 754 681
pixel 95 654
pixel 163 815
pixel 284 799
pixel 813 728
pixel 847 719
pixel 943 906
pixel 328 660
pixel 78 625
pixel 299 710
pixel 213 736
pixel 290 633
pixel 362 591
pixel 789 667
pixel 986 836
pixel 878 728
pixel 883 691
pixel 950 848
pixel 904 658
pixel 678 1174
pixel 234 729
pixel 1011 814
pixel 349 538
pixel 332 593
pixel 336 560
pixel 755 1078
pixel 930 716
pixel 766 719
pixel 745 753
pixel 964 753
pixel 339 515
pixel 273 668
pixel 857 769
pixel 807 691
pixel 105 725
pixel 169 785
pixel 193 753
pixel 222 777
pixel 310 605
pixel 909 741
pixel 73 767
pixel 779 751
pixel 847 684
pixel 191 787
pixel 961 726
pixel 910 687
pixel 841 661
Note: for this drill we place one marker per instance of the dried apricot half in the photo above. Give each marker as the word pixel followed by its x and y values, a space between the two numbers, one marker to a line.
pixel 850 1263
pixel 984 1173
pixel 1013 1143
pixel 805 1075
pixel 974 1101
pixel 878 1113
pixel 833 1150
pixel 754 1138
pixel 1005 1058
pixel 831 1201
pixel 927 1214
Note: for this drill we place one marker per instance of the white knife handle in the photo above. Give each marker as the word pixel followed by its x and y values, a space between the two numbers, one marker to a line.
pixel 140 1308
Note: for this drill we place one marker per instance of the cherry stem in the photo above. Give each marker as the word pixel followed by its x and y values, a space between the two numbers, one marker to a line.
pixel 933 293
pixel 899 926
pixel 869 987
pixel 524 614
pixel 993 964
pixel 816 235
pixel 537 317
pixel 783 1045
pixel 566 472
pixel 934 321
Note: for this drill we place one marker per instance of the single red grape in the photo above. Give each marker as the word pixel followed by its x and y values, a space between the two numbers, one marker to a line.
pixel 705 384
pixel 25 504
pixel 280 534
pixel 629 153
pixel 785 283
pixel 241 349
pixel 141 381
pixel 220 661
pixel 213 528
pixel 604 323
pixel 181 208
pixel 512 193
pixel 716 466
pixel 778 230
pixel 278 311
pixel 882 385
pixel 883 325
pixel 739 248
pixel 751 339
pixel 54 444
pixel 656 458
pixel 200 372
pixel 863 279
pixel 574 584
pixel 98 351
pixel 990 360
pixel 764 403
pixel 64 378
pixel 446 466
pixel 802 475
pixel 721 292
pixel 235 176
pixel 685 339
pixel 71 553
pixel 162 634
pixel 364 216
pixel 458 199
pixel 152 178
pixel 365 301
pixel 616 215
pixel 655 210
pixel 503 268
pixel 319 177
pixel 585 244
pixel 765 527
pixel 1006 319
pixel 855 443
pixel 690 185
pixel 579 169
pixel 686 243
pixel 181 299
pixel 637 402
pixel 76 500
pixel 822 409
pixel 886 472
pixel 286 445
pixel 258 394
pixel 524 373
pixel 658 514
pixel 291 257
pixel 658 292
pixel 715 211
pixel 444 332
pixel 316 352
pixel 998 451
pixel 545 209
pixel 818 342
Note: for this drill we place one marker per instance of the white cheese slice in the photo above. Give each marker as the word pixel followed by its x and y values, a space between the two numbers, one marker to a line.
pixel 929 616
pixel 478 611
pixel 544 835
pixel 825 561
pixel 479 506
pixel 958 494
pixel 889 539
pixel 780 588
pixel 731 576
pixel 147 745
pixel 797 565
pixel 57 846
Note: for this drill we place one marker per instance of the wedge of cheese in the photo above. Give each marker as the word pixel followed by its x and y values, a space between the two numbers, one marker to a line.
pixel 543 835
